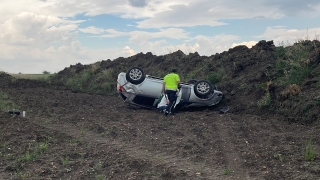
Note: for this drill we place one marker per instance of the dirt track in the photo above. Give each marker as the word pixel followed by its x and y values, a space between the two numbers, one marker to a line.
pixel 100 137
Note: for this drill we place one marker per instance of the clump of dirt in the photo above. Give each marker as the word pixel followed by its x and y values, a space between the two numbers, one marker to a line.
pixel 292 90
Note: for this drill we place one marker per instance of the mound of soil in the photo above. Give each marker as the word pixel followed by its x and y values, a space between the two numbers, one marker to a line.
pixel 249 77
pixel 5 79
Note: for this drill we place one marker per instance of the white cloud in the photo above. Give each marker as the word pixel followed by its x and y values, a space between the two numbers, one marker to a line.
pixel 127 50
pixel 295 7
pixel 140 36
pixel 188 10
pixel 283 35
pixel 29 28
pixel 32 43
pixel 173 33
pixel 212 45
pixel 92 30
pixel 34 60
pixel 207 12
pixel 114 33
pixel 155 47
pixel 138 3
pixel 186 48
pixel 202 44
pixel 50 50
pixel 249 44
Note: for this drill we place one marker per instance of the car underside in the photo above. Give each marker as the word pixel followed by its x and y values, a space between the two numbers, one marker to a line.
pixel 144 90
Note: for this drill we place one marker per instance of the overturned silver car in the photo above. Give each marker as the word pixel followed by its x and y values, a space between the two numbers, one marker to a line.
pixel 135 87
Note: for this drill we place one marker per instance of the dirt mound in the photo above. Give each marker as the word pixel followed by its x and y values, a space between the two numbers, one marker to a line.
pixel 246 69
pixel 5 79
pixel 253 80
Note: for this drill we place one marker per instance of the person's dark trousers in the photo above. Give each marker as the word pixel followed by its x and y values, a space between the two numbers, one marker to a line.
pixel 172 96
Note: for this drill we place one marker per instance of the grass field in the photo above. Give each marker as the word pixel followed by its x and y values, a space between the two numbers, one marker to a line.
pixel 32 76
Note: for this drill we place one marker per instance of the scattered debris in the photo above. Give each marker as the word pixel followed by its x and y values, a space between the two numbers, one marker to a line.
pixel 223 110
pixel 17 112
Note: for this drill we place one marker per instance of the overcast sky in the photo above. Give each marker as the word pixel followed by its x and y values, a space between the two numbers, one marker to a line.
pixel 49 35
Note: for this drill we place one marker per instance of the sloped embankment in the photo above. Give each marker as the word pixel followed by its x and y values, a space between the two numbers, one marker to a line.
pixel 255 80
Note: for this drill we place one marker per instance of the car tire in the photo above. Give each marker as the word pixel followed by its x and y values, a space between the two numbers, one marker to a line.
pixel 202 88
pixel 192 81
pixel 135 75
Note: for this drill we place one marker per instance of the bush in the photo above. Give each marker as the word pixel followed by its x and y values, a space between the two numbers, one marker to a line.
pixel 265 101
pixel 292 64
pixel 5 102
pixel 216 77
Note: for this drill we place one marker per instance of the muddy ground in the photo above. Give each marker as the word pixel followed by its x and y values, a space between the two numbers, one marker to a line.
pixel 68 135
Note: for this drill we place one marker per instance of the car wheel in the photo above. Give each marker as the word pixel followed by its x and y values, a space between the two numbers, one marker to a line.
pixel 135 75
pixel 202 88
pixel 192 81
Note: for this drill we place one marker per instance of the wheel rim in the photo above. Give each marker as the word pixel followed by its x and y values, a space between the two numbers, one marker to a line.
pixel 203 88
pixel 135 74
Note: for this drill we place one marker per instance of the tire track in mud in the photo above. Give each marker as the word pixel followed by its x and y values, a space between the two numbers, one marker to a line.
pixel 231 155
pixel 4 175
pixel 157 159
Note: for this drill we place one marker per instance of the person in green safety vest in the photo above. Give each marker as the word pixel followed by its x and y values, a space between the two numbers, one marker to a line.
pixel 170 86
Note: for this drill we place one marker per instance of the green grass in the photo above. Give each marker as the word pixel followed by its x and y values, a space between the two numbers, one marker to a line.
pixel 262 85
pixel 3 104
pixel 30 156
pixel 227 172
pixel 42 147
pixel 309 151
pixel 23 175
pixel 65 160
pixel 80 80
pixel 3 100
pixel 42 77
pixel 87 80
pixel 6 103
pixel 216 76
pixel 292 64
pixel 194 73
pixel 317 100
pixel 265 101
pixel 100 177
pixel 32 152
pixel 278 156
pixel 244 87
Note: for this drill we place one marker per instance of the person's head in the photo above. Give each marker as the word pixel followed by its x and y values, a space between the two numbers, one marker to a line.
pixel 174 70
